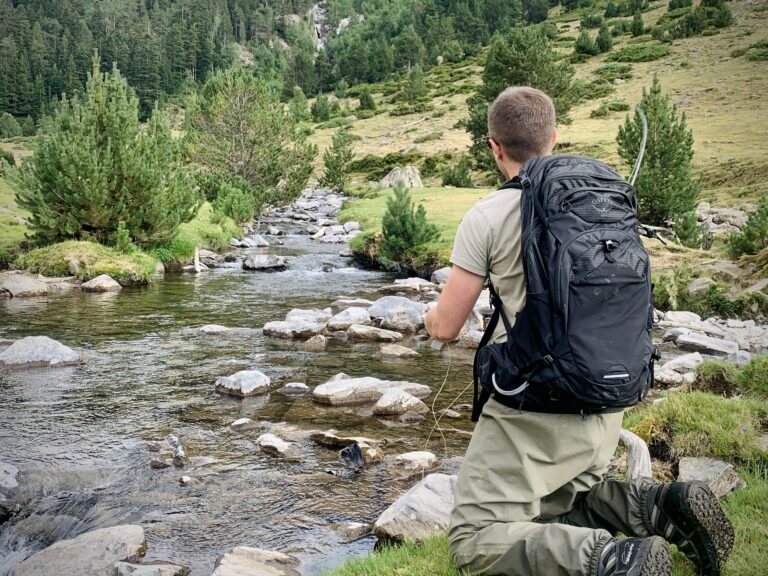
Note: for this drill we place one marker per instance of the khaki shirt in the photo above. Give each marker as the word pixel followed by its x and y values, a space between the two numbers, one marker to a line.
pixel 488 243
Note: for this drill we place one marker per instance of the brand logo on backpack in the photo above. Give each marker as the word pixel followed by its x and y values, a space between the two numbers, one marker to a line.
pixel 582 343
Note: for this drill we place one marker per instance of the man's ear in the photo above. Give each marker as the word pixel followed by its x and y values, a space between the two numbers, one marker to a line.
pixel 554 138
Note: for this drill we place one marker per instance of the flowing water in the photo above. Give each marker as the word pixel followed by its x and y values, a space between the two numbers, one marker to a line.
pixel 80 435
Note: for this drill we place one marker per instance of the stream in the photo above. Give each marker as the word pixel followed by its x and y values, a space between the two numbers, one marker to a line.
pixel 80 435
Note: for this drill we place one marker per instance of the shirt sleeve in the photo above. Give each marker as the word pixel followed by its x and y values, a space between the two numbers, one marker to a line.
pixel 472 243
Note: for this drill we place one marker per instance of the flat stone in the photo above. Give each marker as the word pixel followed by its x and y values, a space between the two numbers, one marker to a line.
pixel 706 345
pixel 91 554
pixel 720 476
pixel 673 334
pixel 420 513
pixel 8 474
pixel 275 446
pixel 667 377
pixel 397 351
pixel 243 384
pixel 415 461
pixel 212 329
pixel 363 390
pixel 684 363
pixel 440 276
pixel 244 561
pixel 151 569
pixel 396 402
pixel 243 425
pixel 416 282
pixel 260 242
pixel 681 317
pixel 351 531
pixel 264 262
pixel 290 329
pixel 20 285
pixel 330 439
pixel 158 464
pixel 310 315
pixel 398 313
pixel 294 388
pixel 349 316
pixel 344 303
pixel 315 344
pixel 103 283
pixel 371 333
pixel 39 351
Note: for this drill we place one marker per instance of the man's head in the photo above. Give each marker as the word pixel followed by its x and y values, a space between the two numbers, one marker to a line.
pixel 521 126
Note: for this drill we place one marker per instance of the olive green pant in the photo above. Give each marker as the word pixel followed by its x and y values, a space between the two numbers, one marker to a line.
pixel 530 497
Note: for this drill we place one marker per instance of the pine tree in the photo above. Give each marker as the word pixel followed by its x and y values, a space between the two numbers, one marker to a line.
pixel 404 228
pixel 688 231
pixel 415 85
pixel 96 167
pixel 604 39
pixel 585 45
pixel 298 105
pixel 336 160
pixel 409 48
pixel 366 100
pixel 638 27
pixel 9 126
pixel 665 186
pixel 28 127
pixel 321 109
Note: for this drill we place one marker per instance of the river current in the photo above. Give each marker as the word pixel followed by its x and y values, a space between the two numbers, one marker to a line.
pixel 80 435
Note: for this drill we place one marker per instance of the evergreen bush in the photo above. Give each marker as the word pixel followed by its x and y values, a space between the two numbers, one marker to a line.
pixel 233 201
pixel 7 156
pixel 535 11
pixel 415 85
pixel 336 160
pixel 639 53
pixel 458 176
pixel 404 228
pixel 28 127
pixel 585 45
pixel 591 20
pixel 9 126
pixel 754 235
pixel 638 27
pixel 614 70
pixel 321 109
pixel 758 51
pixel 677 4
pixel 298 105
pixel 604 39
pixel 123 242
pixel 688 231
pixel 366 100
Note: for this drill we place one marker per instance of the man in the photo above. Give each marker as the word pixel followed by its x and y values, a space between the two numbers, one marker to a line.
pixel 530 499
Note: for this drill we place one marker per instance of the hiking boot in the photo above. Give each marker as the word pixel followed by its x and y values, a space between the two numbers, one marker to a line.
pixel 689 515
pixel 633 557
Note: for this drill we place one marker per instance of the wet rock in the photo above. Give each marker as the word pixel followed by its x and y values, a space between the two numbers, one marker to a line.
pixel 19 285
pixel 274 231
pixel 315 344
pixel 414 461
pixel 290 329
pixel 248 243
pixel 344 303
pixel 470 339
pixel 91 554
pixel 421 512
pixel 706 344
pixel 398 313
pixel 410 177
pixel 243 425
pixel 330 439
pixel 189 481
pixel 396 402
pixel 6 509
pixel 440 276
pixel 8 475
pixel 346 318
pixel 371 333
pixel 264 262
pixel 351 531
pixel 212 329
pixel 351 226
pixel 158 464
pixel 351 391
pixel 685 363
pixel 448 413
pixel 151 569
pixel 294 388
pixel 360 456
pixel 397 351
pixel 319 234
pixel 102 283
pixel 311 315
pixel 720 476
pixel 243 384
pixel 244 561
pixel 39 351
pixel 347 253
pixel 275 446
pixel 234 243
pixel 260 242
pixel 180 457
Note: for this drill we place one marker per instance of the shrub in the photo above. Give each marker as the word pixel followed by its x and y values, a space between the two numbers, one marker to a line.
pixel 321 109
pixel 376 167
pixel 9 126
pixel 336 160
pixel 753 378
pixel 716 377
pixel 638 27
pixel 334 123
pixel 604 39
pixel 7 156
pixel 298 105
pixel 366 100
pixel 458 176
pixel 610 106
pixel 585 44
pixel 614 70
pixel 754 235
pixel 236 202
pixel 620 28
pixel 639 53
pixel 591 90
pixel 404 229
pixel 758 51
pixel 591 20
pixel 688 231
pixel 28 127
pixel 123 242
pixel 677 4
pixel 428 137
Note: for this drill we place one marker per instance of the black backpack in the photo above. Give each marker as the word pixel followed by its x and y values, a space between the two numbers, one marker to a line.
pixel 582 343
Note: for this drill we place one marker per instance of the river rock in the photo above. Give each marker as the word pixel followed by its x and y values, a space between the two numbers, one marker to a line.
pixel 360 456
pixel 293 329
pixel 469 339
pixel 274 231
pixel 275 446
pixel 673 334
pixel 440 276
pixel 243 384
pixel 346 318
pixel 243 425
pixel 152 569
pixel 180 456
pixel 311 315
pixel 685 363
pixel 396 402
pixel 720 476
pixel 102 283
pixel 700 286
pixel 667 377
pixel 680 317
pixel 260 242
pixel 706 344
pixel 421 512
pixel 351 226
pixel 212 329
pixel 39 351
pixel 414 461
pixel 351 531
pixel 398 313
pixel 91 554
pixel 8 474
pixel 264 262
pixel 397 351
pixel 315 344
pixel 244 561
pixel 19 285
pixel 358 332
pixel 330 439
pixel 350 391
pixel 410 177
pixel 294 389
pixel 159 464
pixel 344 303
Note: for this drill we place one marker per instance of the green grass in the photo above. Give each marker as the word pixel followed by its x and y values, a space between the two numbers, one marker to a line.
pixel 12 227
pixel 94 260
pixel 431 558
pixel 753 378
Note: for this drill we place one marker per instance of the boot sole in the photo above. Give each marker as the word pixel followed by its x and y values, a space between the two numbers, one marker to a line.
pixel 658 560
pixel 702 510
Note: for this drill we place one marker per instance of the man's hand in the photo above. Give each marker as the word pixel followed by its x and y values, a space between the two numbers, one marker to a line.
pixel 444 322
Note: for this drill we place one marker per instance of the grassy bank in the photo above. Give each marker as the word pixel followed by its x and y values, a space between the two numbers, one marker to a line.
pixel 12 222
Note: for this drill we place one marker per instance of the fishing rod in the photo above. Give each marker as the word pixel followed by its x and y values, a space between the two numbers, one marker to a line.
pixel 644 230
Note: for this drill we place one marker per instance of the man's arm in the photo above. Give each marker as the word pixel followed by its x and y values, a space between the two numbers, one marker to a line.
pixel 444 321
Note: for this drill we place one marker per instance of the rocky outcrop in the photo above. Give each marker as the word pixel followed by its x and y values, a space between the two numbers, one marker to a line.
pixel 19 285
pixel 349 391
pixel 264 262
pixel 396 402
pixel 39 351
pixel 720 476
pixel 721 220
pixel 244 561
pixel 103 283
pixel 91 554
pixel 410 177
pixel 398 313
pixel 421 512
pixel 243 384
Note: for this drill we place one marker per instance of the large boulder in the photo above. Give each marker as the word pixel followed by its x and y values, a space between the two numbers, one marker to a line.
pixel 244 561
pixel 243 384
pixel 349 391
pixel 421 512
pixel 685 363
pixel 103 283
pixel 39 351
pixel 91 554
pixel 371 333
pixel 346 318
pixel 264 262
pixel 410 177
pixel 19 285
pixel 396 402
pixel 398 313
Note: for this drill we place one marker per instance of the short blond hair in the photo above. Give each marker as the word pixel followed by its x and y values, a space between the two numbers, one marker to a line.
pixel 522 121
